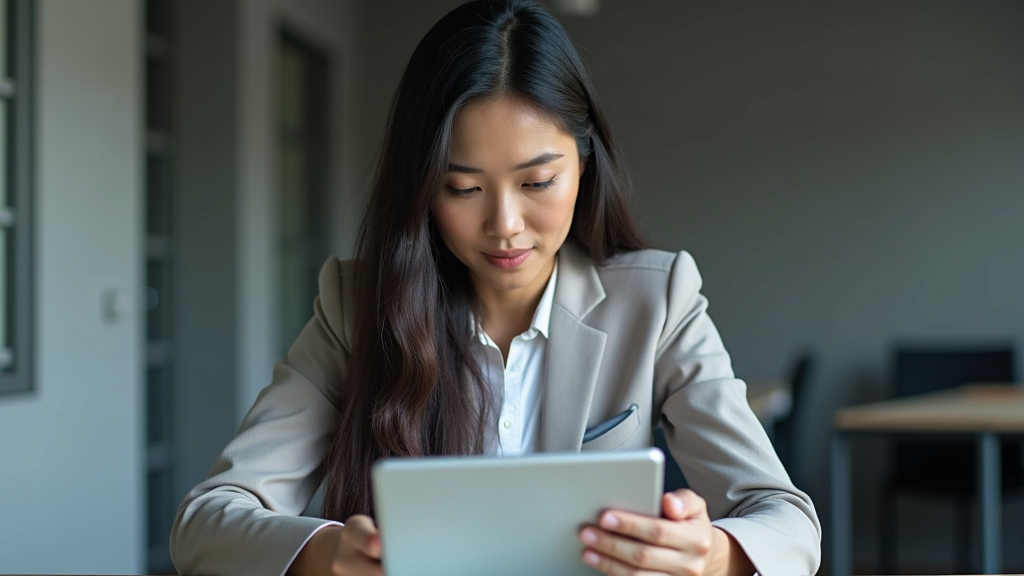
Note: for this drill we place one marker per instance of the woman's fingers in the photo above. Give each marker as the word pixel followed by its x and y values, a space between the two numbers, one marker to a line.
pixel 372 548
pixel 683 504
pixel 615 567
pixel 361 534
pixel 615 549
pixel 669 533
pixel 628 543
pixel 640 527
pixel 639 543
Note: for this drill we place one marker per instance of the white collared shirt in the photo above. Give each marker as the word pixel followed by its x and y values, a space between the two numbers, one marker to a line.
pixel 518 385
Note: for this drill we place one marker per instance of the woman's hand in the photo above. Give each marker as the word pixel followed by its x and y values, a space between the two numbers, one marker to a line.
pixel 683 543
pixel 349 550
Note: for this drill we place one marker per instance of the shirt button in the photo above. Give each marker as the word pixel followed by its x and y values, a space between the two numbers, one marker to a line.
pixel 507 424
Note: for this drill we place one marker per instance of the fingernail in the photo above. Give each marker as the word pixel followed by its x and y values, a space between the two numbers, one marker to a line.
pixel 591 558
pixel 589 536
pixel 609 521
pixel 677 503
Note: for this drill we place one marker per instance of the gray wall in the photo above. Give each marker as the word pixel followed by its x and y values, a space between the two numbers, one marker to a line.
pixel 847 175
pixel 71 453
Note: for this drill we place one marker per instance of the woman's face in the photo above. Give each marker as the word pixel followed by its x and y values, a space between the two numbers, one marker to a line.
pixel 509 195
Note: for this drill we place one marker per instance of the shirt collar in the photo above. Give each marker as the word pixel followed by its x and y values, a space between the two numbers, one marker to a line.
pixel 542 316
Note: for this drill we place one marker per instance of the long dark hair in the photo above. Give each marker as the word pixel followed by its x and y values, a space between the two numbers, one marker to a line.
pixel 413 387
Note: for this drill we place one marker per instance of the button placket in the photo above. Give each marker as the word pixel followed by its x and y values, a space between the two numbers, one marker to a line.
pixel 513 377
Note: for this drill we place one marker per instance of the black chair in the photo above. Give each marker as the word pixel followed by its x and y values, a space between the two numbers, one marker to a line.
pixel 673 475
pixel 788 430
pixel 941 469
pixel 785 431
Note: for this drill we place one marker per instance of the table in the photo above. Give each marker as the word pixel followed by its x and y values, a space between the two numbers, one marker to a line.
pixel 985 411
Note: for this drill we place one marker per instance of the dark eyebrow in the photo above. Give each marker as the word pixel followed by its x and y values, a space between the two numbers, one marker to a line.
pixel 539 160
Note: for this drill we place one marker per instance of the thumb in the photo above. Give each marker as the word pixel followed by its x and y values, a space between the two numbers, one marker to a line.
pixel 683 504
pixel 371 547
pixel 365 537
pixel 673 507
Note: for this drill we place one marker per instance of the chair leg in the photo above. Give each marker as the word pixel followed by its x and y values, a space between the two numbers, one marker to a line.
pixel 888 532
pixel 962 535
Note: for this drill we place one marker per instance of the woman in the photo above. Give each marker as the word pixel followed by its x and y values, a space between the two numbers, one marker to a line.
pixel 501 302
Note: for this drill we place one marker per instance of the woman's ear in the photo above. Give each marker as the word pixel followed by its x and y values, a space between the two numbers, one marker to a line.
pixel 583 166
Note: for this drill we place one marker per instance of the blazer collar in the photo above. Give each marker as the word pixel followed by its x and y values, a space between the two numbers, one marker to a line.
pixel 573 355
pixel 579 287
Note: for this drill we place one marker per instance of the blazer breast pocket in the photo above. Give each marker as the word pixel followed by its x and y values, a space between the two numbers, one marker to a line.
pixel 614 432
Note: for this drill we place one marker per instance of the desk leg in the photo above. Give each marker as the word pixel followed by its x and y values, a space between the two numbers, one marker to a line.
pixel 842 534
pixel 989 486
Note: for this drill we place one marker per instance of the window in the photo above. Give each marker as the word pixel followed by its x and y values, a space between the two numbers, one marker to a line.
pixel 16 26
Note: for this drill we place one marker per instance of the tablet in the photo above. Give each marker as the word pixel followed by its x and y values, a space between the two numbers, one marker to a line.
pixel 482 515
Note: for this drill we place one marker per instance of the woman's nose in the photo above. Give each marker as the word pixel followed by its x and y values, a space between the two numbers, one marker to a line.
pixel 505 219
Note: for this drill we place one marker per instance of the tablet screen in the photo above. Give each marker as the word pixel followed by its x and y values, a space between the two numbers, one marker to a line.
pixel 474 515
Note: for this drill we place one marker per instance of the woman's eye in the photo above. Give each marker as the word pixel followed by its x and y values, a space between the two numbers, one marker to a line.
pixel 461 191
pixel 544 184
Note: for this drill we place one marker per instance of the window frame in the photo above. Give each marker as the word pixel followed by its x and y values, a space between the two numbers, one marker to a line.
pixel 16 373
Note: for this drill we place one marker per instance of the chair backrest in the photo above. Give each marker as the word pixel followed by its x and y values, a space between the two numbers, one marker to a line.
pixel 919 370
pixel 787 431
pixel 673 474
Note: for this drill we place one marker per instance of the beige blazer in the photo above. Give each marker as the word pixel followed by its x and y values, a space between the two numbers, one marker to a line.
pixel 633 330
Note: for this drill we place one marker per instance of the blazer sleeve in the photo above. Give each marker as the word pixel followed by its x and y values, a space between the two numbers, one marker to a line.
pixel 719 444
pixel 245 518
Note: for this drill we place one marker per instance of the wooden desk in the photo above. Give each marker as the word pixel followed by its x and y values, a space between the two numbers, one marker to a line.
pixel 985 411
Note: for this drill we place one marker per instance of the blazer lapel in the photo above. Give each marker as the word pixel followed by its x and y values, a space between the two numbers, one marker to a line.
pixel 573 355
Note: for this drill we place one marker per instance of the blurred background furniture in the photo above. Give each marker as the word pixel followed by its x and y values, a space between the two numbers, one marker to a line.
pixel 986 413
pixel 789 429
pixel 943 470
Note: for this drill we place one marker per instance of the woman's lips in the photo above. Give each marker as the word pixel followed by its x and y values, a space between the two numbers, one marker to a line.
pixel 507 259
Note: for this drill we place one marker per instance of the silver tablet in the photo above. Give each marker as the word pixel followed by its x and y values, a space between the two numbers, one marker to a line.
pixel 492 516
